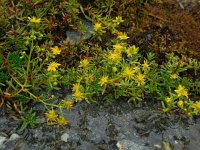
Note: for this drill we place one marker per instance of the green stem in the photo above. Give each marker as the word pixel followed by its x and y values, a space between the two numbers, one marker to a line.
pixel 37 98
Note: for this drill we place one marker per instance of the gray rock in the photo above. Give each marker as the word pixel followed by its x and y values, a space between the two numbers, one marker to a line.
pixel 65 137
pixel 130 145
pixel 15 142
pixel 40 120
pixel 97 129
pixel 155 140
pixel 2 140
pixel 87 146
pixel 74 36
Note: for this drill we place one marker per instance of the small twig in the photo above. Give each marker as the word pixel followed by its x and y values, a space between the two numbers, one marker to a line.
pixel 180 4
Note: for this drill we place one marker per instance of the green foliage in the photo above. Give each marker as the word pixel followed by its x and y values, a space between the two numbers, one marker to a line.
pixel 27 119
pixel 35 58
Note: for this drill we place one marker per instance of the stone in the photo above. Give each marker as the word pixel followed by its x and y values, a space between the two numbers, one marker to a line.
pixel 97 129
pixel 15 142
pixel 2 140
pixel 87 146
pixel 130 145
pixel 74 36
pixel 13 137
pixel 65 137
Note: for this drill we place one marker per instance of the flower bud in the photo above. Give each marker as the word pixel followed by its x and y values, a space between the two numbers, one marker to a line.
pixel 180 103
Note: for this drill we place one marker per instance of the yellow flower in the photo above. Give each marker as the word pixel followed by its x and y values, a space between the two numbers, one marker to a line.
pixel 34 20
pixel 140 79
pixel 196 107
pixel 128 73
pixel 168 101
pixel 84 63
pixel 62 121
pixel 181 91
pixel 114 57
pixel 103 80
pixel 55 50
pixel 180 103
pixel 132 50
pixel 118 20
pixel 122 36
pixel 51 115
pixel 76 87
pixel 118 48
pixel 79 96
pixel 97 26
pixel 53 66
pixel 174 76
pixel 145 66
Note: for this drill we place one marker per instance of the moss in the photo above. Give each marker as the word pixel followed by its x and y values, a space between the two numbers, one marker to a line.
pixel 170 27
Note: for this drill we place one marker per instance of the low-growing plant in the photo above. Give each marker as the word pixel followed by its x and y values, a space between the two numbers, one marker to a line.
pixel 121 71
pixel 35 60
pixel 29 70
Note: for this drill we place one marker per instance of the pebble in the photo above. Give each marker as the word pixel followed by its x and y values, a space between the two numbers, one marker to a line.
pixel 130 145
pixel 65 137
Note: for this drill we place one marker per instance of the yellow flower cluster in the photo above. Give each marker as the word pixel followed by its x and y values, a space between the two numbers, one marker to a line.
pixel 140 79
pixel 118 48
pixel 145 66
pixel 114 57
pixel 84 63
pixel 103 80
pixel 78 92
pixel 132 50
pixel 52 118
pixel 122 36
pixel 181 91
pixel 196 107
pixel 128 73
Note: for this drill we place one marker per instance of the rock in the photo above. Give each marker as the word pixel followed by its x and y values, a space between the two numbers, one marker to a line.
pixel 2 140
pixel 130 145
pixel 97 129
pixel 14 136
pixel 15 142
pixel 65 137
pixel 155 140
pixel 38 133
pixel 74 36
pixel 87 146
pixel 40 120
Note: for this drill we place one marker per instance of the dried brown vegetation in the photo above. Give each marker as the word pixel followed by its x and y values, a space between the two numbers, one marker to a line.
pixel 171 27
